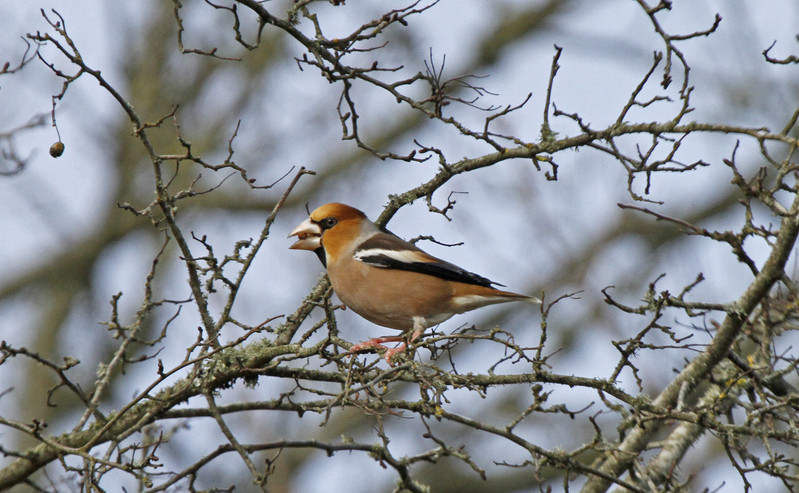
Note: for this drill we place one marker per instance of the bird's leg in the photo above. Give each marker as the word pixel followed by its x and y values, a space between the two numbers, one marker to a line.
pixel 418 328
pixel 391 352
pixel 377 342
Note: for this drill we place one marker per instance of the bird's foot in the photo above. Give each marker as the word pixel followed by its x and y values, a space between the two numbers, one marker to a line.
pixel 395 350
pixel 377 343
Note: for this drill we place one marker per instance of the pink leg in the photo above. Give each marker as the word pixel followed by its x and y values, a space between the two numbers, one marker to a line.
pixel 391 352
pixel 377 342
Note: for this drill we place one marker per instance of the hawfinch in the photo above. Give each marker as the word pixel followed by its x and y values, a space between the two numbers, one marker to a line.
pixel 390 281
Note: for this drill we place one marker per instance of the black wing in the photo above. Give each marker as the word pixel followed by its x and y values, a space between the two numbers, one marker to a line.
pixel 387 251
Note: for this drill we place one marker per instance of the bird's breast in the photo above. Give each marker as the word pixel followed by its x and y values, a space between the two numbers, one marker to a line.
pixel 389 297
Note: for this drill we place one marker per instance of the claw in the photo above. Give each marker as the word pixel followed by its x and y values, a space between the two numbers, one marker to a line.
pixel 377 343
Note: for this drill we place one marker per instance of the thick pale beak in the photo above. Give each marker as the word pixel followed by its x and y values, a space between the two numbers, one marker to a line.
pixel 309 234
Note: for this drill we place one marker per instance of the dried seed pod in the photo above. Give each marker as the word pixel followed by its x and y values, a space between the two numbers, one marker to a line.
pixel 57 149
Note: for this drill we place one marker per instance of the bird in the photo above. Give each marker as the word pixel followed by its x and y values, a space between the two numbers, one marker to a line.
pixel 389 281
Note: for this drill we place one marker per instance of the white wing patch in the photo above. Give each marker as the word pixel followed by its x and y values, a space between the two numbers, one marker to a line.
pixel 404 256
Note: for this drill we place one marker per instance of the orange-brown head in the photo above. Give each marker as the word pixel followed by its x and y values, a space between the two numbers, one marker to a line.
pixel 329 229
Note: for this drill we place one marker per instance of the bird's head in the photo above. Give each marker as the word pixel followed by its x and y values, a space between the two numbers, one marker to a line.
pixel 329 217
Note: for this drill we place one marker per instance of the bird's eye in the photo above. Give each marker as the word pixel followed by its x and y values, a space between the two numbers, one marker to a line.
pixel 328 222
